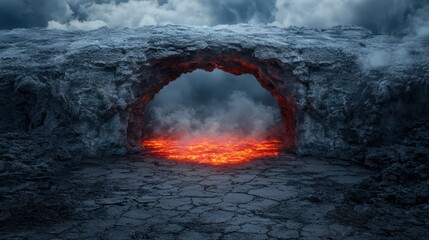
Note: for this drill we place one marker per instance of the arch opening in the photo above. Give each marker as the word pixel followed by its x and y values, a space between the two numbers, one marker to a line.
pixel 212 118
pixel 268 73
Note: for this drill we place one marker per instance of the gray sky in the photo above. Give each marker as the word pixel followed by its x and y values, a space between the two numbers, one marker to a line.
pixel 380 16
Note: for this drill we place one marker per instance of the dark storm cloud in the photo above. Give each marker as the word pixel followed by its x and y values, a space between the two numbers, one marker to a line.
pixel 78 6
pixel 380 16
pixel 242 11
pixel 387 16
pixel 31 13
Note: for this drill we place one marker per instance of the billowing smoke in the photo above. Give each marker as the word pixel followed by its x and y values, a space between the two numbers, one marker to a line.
pixel 213 104
pixel 408 18
pixel 380 16
pixel 238 114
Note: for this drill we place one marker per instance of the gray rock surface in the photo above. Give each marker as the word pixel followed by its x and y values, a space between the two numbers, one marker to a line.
pixel 139 198
pixel 344 93
pixel 342 90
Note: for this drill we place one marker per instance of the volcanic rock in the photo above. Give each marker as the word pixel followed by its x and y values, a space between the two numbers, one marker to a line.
pixel 2 166
pixel 343 91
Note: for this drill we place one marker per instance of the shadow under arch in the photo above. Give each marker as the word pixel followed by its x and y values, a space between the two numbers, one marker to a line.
pixel 270 73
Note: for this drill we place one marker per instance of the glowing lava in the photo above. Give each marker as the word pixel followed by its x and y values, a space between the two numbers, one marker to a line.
pixel 214 151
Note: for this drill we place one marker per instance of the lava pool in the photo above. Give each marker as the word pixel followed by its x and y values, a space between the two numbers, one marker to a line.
pixel 214 151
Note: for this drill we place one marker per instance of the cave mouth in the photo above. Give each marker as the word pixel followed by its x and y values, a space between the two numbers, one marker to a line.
pixel 271 74
pixel 213 118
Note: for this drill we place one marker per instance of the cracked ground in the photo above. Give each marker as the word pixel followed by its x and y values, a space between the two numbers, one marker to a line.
pixel 140 198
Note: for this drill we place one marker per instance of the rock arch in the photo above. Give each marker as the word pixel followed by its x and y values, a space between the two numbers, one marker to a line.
pixel 91 89
pixel 270 73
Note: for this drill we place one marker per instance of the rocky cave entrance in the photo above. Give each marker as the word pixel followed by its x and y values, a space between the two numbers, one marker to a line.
pixel 269 73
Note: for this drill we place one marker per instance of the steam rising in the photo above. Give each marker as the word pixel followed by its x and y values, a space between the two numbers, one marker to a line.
pixel 249 112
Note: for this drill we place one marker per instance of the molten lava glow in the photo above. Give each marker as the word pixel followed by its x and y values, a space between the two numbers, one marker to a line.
pixel 214 151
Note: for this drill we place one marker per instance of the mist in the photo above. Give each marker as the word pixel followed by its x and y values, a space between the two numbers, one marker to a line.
pixel 213 104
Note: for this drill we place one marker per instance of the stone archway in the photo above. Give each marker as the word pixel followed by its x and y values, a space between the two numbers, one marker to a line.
pixel 270 73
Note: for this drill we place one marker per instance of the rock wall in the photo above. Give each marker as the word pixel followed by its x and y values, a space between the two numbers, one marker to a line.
pixel 343 92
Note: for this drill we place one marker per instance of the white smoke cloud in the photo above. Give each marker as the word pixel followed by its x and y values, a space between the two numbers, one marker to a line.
pixel 77 25
pixel 313 13
pixel 136 13
pixel 419 23
pixel 380 16
pixel 238 114
pixel 375 58
pixel 417 32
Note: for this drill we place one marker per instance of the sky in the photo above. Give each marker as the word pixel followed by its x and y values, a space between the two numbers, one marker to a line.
pixel 380 16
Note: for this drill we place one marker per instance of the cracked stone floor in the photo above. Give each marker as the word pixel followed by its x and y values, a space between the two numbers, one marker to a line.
pixel 139 198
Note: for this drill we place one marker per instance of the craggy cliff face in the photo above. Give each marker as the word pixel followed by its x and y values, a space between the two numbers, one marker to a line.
pixel 343 92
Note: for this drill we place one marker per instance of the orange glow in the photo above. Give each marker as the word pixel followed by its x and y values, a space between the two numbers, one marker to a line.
pixel 214 151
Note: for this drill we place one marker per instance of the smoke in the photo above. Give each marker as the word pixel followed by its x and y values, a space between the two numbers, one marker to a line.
pixel 202 104
pixel 380 16
pixel 414 27
pixel 313 13
pixel 241 11
pixel 135 13
pixel 239 114
pixel 376 58
pixel 391 16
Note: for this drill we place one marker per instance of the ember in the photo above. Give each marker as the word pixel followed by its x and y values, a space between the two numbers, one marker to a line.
pixel 214 151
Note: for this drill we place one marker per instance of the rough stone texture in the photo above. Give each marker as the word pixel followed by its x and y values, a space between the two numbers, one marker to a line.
pixel 68 94
pixel 94 85
pixel 139 198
